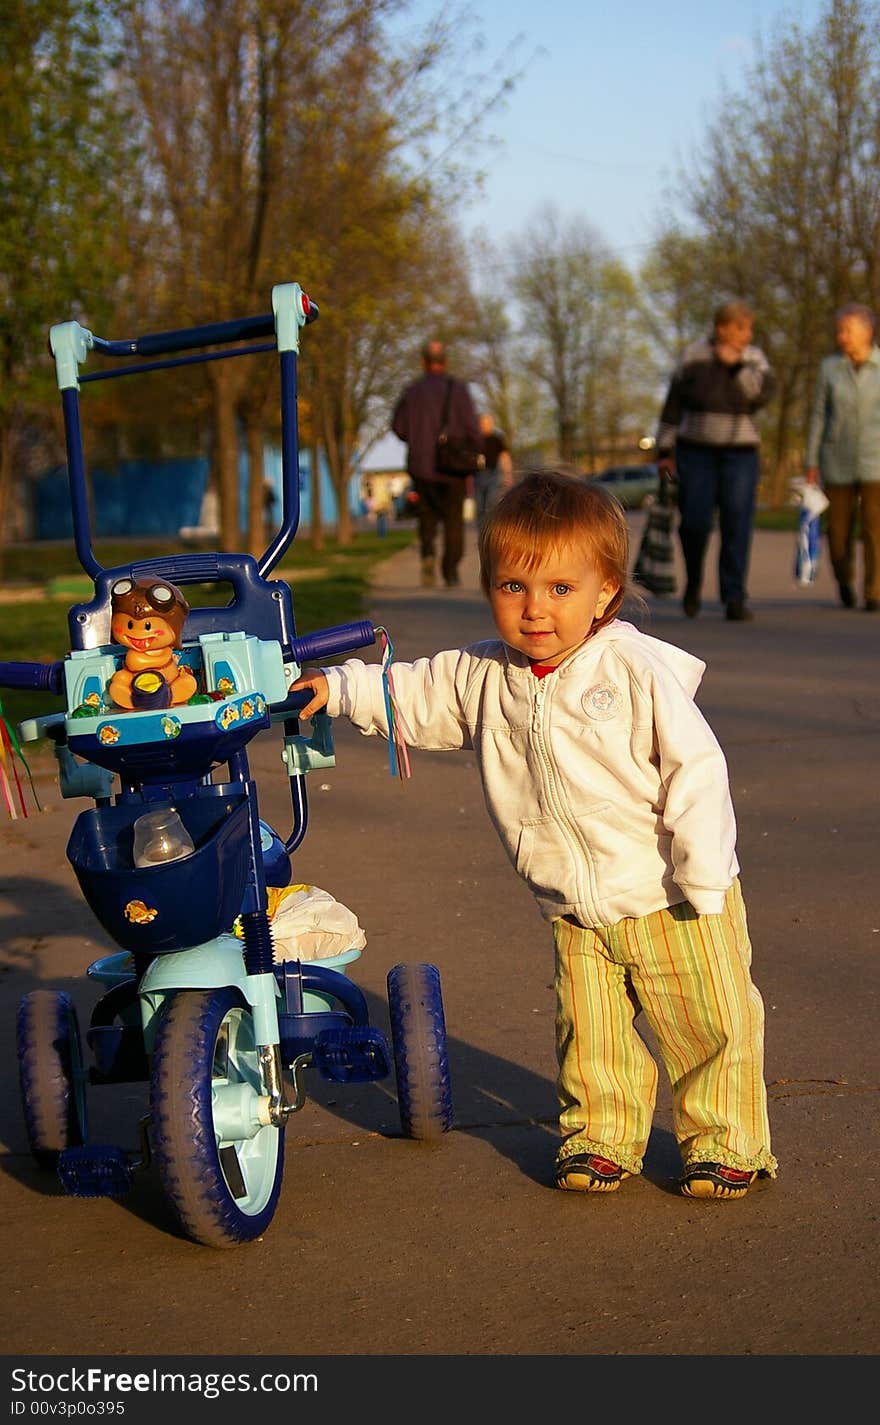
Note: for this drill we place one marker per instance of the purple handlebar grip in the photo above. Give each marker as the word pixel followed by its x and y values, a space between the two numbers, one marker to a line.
pixel 327 642
pixel 40 677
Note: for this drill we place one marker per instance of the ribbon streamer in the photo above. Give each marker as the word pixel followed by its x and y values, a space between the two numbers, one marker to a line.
pixel 10 748
pixel 398 756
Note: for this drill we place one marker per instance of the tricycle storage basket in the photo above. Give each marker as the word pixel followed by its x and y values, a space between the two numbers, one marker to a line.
pixel 172 905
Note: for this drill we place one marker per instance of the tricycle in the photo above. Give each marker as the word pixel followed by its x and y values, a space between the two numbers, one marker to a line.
pixel 161 700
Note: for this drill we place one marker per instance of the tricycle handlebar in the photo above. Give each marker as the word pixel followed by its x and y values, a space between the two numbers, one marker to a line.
pixel 40 677
pixel 327 642
pixel 324 643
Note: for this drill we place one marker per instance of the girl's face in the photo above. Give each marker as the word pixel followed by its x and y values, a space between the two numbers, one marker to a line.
pixel 547 612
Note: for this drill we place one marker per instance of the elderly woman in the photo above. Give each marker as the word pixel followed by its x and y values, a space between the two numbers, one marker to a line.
pixel 843 449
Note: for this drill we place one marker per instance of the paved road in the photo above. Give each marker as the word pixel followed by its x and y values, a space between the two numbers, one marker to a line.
pixel 385 1247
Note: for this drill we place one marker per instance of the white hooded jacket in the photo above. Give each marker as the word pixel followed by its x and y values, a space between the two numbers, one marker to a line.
pixel 603 779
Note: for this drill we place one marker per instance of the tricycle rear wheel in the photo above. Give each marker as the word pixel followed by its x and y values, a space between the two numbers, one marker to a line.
pixel 224 1191
pixel 418 1036
pixel 51 1076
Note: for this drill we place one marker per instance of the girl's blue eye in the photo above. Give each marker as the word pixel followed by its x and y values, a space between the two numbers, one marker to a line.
pixel 561 588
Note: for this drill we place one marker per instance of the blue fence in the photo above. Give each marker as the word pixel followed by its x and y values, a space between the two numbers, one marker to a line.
pixel 160 497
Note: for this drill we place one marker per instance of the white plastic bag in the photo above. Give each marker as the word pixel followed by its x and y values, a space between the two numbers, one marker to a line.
pixel 813 503
pixel 308 924
pixel 810 497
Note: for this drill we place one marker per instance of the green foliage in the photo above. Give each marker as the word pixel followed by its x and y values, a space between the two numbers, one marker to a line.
pixel 63 151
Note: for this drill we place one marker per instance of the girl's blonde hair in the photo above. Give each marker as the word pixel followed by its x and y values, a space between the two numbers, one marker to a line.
pixel 548 509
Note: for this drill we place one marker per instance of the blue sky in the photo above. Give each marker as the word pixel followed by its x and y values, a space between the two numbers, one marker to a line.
pixel 615 98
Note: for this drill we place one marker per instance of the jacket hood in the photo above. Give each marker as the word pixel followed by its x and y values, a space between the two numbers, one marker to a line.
pixel 686 668
pixel 622 636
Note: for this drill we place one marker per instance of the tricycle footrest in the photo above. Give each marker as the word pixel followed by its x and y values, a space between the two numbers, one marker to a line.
pixel 355 1054
pixel 95 1170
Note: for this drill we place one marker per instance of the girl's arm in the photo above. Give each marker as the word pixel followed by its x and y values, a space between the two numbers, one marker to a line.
pixel 698 810
pixel 425 695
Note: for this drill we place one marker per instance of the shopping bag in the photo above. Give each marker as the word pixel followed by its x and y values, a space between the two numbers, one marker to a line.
pixel 807 547
pixel 654 568
pixel 808 543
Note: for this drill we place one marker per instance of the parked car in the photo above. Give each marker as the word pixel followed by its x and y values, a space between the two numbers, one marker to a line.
pixel 636 486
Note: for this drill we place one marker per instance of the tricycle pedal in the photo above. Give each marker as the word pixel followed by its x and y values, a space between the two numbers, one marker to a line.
pixel 352 1054
pixel 95 1170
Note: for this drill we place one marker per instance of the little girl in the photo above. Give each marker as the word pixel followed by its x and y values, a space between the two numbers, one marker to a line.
pixel 610 794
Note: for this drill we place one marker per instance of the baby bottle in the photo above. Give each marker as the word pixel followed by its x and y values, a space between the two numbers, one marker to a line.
pixel 160 836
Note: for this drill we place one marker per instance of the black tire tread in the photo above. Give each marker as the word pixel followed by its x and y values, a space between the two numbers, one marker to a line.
pixel 418 1036
pixel 183 1142
pixel 49 1054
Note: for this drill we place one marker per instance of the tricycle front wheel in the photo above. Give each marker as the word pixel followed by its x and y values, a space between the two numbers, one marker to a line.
pixel 50 1073
pixel 224 1189
pixel 418 1036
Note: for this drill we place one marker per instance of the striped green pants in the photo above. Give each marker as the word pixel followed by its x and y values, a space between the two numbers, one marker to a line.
pixel 689 973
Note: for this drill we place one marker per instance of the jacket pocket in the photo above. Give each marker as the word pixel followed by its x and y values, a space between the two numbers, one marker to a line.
pixel 628 846
pixel 546 857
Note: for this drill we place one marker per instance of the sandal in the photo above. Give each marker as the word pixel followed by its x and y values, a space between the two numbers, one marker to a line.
pixel 716 1180
pixel 588 1172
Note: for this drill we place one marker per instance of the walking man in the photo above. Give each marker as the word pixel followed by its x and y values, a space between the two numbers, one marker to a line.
pixel 416 420
pixel 708 438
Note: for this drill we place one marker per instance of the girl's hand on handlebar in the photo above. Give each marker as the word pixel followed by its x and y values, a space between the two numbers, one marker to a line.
pixel 317 681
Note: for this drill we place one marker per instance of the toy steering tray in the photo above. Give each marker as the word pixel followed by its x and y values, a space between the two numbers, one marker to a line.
pixel 240 676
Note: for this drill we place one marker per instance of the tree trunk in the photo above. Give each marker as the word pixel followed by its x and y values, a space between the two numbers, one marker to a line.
pixel 781 468
pixel 317 524
pixel 259 534
pixel 225 386
pixel 5 484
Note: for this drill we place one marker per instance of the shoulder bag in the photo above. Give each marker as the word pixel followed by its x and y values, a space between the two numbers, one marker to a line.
pixel 454 455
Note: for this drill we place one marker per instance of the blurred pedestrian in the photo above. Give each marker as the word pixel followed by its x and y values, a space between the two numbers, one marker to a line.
pixel 378 503
pixel 496 473
pixel 843 449
pixel 417 420
pixel 707 436
pixel 270 500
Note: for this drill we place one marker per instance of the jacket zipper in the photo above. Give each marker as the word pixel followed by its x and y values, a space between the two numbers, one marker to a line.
pixel 566 824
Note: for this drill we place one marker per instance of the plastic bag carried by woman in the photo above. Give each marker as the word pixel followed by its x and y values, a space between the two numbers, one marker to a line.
pixel 813 503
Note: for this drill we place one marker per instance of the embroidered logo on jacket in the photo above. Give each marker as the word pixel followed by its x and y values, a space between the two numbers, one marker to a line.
pixel 602 701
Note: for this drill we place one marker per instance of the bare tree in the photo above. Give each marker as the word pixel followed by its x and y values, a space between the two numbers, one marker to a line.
pixel 581 337
pixel 785 196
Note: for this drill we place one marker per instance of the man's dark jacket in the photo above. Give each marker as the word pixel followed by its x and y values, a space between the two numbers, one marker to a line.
pixel 417 417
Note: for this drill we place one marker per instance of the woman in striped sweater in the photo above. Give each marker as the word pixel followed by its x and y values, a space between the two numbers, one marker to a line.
pixel 708 437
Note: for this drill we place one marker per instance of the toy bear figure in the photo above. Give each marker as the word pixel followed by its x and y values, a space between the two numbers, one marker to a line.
pixel 148 617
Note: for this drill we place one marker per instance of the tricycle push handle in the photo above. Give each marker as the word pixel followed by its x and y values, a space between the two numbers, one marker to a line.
pixel 193 338
pixel 40 677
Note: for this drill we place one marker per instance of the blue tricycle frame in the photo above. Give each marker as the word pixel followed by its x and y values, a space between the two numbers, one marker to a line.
pixel 222 1032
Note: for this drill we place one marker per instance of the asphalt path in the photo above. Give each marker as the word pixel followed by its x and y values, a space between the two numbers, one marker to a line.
pixel 384 1247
